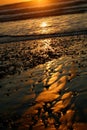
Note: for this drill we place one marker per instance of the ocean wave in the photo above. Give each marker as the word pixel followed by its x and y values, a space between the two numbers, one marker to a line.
pixel 60 8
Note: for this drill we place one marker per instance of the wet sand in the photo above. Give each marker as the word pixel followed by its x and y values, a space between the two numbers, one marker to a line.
pixel 19 56
pixel 43 84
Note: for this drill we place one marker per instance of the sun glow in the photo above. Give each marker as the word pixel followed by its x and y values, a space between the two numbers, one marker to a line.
pixel 41 3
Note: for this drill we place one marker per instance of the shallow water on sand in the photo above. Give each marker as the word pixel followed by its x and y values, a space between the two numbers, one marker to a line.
pixel 52 95
pixel 48 25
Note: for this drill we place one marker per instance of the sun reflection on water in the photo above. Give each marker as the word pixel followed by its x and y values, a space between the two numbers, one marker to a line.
pixel 43 24
pixel 43 27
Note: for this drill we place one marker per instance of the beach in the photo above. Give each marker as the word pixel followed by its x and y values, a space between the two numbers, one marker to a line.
pixel 43 65
pixel 43 84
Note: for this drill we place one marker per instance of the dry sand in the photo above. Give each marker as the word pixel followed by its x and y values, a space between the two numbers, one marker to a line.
pixel 43 84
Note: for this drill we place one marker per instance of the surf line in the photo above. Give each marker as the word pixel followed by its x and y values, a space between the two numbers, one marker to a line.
pixel 18 38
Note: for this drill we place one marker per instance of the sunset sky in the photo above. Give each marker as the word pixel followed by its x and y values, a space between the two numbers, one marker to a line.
pixel 11 1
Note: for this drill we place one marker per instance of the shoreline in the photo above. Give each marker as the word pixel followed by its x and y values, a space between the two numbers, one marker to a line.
pixel 18 38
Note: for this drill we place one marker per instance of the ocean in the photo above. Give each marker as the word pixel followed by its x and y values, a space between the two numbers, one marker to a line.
pixel 43 26
pixel 48 25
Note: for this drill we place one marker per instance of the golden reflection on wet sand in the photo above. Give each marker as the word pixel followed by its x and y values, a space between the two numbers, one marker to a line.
pixel 53 108
pixel 51 96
